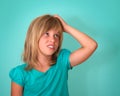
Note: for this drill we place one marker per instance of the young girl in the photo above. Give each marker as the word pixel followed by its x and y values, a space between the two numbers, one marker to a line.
pixel 45 72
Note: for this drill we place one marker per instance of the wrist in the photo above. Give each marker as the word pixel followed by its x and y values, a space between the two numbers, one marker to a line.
pixel 66 28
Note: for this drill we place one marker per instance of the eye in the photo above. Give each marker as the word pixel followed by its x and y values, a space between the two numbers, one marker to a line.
pixel 46 34
pixel 56 36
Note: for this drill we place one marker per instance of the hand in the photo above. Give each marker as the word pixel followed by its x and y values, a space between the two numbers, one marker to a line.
pixel 63 22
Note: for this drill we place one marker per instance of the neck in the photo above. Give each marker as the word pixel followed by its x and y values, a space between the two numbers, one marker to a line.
pixel 44 60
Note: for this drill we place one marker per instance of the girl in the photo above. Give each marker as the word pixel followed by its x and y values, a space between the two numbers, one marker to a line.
pixel 45 71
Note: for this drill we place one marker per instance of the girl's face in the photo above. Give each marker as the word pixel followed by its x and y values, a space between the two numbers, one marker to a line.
pixel 49 42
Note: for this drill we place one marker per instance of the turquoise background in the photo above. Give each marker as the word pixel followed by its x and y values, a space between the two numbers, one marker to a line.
pixel 100 19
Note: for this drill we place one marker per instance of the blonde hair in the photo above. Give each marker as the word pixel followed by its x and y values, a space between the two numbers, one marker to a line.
pixel 39 26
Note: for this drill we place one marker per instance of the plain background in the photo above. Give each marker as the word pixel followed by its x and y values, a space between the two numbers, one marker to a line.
pixel 100 19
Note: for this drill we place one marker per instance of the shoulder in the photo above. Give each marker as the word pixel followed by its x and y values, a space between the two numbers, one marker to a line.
pixel 17 74
pixel 19 67
pixel 17 70
pixel 64 52
pixel 64 58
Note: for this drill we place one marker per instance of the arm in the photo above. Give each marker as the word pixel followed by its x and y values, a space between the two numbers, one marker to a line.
pixel 87 43
pixel 16 90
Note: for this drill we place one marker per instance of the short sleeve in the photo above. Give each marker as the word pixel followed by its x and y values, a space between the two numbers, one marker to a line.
pixel 16 76
pixel 65 58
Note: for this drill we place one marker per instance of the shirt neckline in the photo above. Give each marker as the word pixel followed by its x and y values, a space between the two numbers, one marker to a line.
pixel 38 71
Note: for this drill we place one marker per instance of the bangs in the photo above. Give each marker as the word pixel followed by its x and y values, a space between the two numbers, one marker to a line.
pixel 57 26
pixel 53 24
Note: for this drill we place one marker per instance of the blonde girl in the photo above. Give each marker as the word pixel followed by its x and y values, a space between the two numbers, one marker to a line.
pixel 45 72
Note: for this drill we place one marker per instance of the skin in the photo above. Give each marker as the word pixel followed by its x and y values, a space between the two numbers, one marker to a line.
pixel 88 46
pixel 16 90
pixel 49 43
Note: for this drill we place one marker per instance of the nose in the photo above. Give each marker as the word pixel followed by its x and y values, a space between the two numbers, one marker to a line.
pixel 52 39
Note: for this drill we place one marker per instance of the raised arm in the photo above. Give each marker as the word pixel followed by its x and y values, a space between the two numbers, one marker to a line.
pixel 88 45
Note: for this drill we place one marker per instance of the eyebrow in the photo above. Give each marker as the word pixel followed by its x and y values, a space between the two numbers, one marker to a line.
pixel 58 32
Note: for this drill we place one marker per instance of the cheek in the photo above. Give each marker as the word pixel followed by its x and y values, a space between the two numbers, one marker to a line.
pixel 57 42
pixel 41 44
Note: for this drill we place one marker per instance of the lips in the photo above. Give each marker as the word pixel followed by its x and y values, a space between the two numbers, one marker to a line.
pixel 51 46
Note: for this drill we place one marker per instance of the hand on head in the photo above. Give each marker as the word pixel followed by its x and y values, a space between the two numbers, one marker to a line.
pixel 62 21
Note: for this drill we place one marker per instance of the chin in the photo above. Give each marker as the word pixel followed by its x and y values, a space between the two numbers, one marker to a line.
pixel 49 53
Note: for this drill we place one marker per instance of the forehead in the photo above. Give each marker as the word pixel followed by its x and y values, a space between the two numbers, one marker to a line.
pixel 53 31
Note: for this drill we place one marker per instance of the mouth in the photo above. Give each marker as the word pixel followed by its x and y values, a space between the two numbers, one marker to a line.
pixel 51 46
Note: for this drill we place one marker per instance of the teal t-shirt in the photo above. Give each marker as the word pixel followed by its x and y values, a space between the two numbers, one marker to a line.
pixel 53 82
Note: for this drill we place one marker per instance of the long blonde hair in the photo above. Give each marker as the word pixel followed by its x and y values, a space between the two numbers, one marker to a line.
pixel 39 26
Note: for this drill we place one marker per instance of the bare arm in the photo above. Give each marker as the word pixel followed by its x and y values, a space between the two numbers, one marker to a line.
pixel 16 90
pixel 88 44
